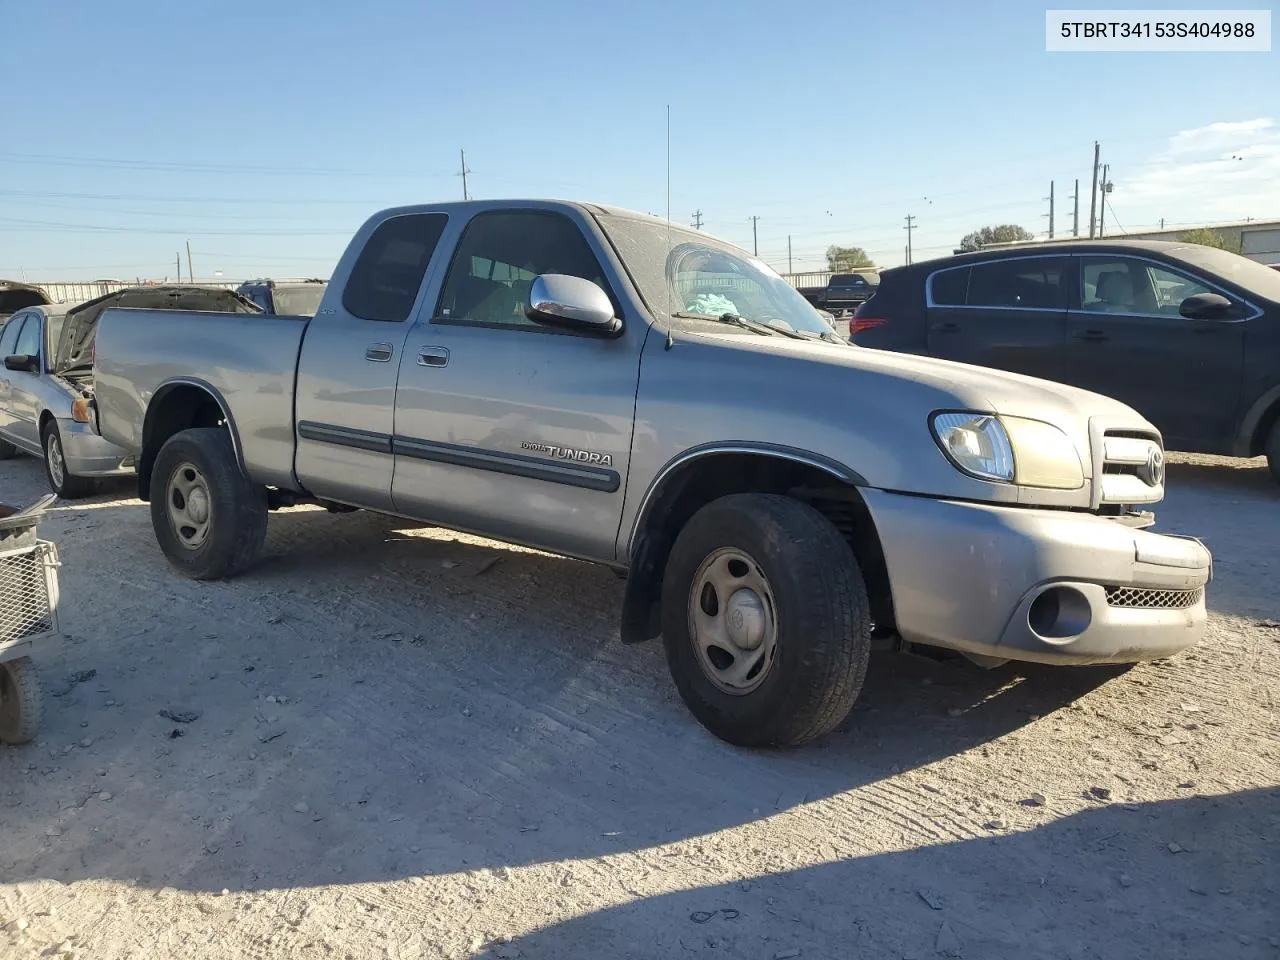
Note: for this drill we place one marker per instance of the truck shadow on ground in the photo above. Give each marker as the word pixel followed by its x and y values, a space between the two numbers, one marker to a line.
pixel 410 708
pixel 1103 883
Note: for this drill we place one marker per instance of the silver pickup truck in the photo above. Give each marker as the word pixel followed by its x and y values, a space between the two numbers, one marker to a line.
pixel 605 385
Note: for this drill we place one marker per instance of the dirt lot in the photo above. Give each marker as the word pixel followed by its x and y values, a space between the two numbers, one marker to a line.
pixel 409 743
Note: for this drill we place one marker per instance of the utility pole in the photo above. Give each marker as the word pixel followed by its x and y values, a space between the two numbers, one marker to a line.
pixel 697 219
pixel 911 221
pixel 1162 223
pixel 1050 199
pixel 1093 192
pixel 177 260
pixel 191 274
pixel 755 244
pixel 1102 202
pixel 1075 216
pixel 465 194
pixel 789 270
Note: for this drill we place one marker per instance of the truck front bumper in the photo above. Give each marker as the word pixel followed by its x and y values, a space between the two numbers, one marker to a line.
pixel 1050 586
pixel 88 455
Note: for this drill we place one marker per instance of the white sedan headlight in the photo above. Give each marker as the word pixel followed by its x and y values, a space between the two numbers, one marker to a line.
pixel 1004 449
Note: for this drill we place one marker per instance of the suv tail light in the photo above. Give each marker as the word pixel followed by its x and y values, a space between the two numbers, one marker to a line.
pixel 860 324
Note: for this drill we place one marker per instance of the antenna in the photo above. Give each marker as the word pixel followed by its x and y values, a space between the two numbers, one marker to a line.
pixel 670 342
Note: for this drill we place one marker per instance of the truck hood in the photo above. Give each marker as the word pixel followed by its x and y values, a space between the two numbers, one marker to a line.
pixel 869 409
pixel 967 386
pixel 79 330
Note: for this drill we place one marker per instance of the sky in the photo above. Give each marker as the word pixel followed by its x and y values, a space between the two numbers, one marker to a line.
pixel 264 133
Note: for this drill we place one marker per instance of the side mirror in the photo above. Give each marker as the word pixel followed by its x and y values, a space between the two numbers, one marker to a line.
pixel 25 362
pixel 571 302
pixel 1207 306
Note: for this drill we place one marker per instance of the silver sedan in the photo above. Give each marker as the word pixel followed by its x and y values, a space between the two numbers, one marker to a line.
pixel 44 410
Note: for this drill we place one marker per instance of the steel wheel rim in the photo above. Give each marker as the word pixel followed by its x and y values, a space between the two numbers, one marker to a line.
pixel 733 621
pixel 189 505
pixel 57 463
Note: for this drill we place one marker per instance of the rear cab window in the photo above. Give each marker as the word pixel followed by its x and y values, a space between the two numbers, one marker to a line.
pixel 388 273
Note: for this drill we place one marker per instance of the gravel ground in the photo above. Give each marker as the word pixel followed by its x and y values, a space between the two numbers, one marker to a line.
pixel 395 741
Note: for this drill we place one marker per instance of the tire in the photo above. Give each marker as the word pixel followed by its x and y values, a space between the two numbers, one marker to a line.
pixel 20 701
pixel 209 518
pixel 55 467
pixel 792 577
pixel 1273 450
pixel 7 450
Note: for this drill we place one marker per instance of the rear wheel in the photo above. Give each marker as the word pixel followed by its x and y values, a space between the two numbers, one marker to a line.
pixel 20 701
pixel 209 518
pixel 765 620
pixel 60 480
pixel 1273 450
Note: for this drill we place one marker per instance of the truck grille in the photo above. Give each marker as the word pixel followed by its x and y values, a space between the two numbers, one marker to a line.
pixel 1132 468
pixel 1145 599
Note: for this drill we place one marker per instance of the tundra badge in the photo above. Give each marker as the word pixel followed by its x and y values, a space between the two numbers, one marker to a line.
pixel 568 453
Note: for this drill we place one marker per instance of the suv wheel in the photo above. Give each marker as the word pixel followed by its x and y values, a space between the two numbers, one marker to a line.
pixel 765 620
pixel 1273 450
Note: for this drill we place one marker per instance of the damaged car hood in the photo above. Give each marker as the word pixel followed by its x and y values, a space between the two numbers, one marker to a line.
pixel 75 343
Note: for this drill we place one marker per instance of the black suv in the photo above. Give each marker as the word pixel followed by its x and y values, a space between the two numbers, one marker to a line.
pixel 1187 335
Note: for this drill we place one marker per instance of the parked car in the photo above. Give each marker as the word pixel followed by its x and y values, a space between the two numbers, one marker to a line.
pixel 300 298
pixel 848 291
pixel 47 381
pixel 1186 334
pixel 605 385
pixel 15 296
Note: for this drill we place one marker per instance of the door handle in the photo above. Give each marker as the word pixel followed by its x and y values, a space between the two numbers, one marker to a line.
pixel 946 328
pixel 1092 335
pixel 379 352
pixel 433 357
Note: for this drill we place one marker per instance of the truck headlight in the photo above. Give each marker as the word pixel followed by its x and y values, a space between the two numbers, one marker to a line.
pixel 1030 453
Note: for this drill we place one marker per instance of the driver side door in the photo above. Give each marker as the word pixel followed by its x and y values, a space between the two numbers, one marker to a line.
pixel 1126 339
pixel 508 427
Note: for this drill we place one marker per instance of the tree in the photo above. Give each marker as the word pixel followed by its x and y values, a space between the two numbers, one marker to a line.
pixel 1005 233
pixel 1208 238
pixel 844 259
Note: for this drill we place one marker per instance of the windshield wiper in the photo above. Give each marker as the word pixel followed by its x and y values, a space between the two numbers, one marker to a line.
pixel 755 326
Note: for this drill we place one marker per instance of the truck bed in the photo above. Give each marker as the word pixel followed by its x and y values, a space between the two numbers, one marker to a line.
pixel 249 360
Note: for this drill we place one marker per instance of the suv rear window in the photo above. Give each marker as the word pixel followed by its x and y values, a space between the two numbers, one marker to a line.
pixel 1033 283
pixel 385 279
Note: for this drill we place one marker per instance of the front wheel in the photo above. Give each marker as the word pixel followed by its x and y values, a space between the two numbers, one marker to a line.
pixel 60 479
pixel 20 701
pixel 765 620
pixel 210 519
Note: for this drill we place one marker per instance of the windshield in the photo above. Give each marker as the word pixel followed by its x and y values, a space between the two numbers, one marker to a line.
pixel 299 301
pixel 52 332
pixel 1249 274
pixel 697 274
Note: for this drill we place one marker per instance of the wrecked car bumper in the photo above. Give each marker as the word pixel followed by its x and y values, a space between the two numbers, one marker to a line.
pixel 88 455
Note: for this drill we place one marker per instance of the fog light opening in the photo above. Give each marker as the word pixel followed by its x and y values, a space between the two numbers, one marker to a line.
pixel 1059 613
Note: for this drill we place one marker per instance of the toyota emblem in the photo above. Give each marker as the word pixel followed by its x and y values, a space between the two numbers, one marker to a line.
pixel 1152 471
